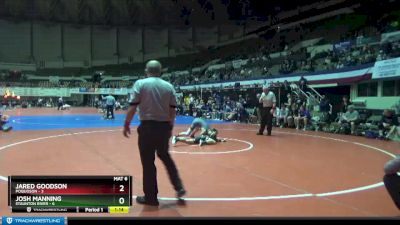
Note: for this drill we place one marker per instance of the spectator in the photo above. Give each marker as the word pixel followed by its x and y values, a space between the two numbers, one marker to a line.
pixel 350 117
pixel 388 124
pixel 282 115
pixel 293 111
pixel 324 108
pixel 303 116
pixel 303 83
pixel 345 104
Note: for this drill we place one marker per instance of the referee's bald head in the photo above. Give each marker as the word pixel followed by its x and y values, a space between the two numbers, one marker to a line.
pixel 153 68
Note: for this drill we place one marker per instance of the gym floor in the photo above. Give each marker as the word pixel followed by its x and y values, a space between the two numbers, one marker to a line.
pixel 289 174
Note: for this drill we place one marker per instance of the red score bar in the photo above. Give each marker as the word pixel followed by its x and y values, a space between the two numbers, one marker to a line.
pixel 76 189
pixel 90 189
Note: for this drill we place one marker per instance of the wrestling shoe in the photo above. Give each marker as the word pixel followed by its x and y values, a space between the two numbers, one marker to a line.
pixel 6 129
pixel 173 141
pixel 201 143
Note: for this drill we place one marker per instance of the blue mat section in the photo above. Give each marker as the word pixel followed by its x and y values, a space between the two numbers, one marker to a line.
pixel 79 121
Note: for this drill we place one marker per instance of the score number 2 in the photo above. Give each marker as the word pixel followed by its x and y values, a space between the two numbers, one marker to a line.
pixel 121 189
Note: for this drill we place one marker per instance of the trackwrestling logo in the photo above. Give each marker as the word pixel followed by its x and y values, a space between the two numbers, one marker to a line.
pixel 33 220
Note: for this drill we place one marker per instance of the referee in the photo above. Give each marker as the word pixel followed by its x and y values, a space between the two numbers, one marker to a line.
pixel 156 101
pixel 110 104
pixel 268 101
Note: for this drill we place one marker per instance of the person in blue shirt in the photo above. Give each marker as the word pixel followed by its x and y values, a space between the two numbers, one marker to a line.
pixel 303 116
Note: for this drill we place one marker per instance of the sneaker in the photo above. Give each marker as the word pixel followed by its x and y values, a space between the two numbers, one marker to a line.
pixel 142 200
pixel 173 140
pixel 259 133
pixel 304 129
pixel 201 143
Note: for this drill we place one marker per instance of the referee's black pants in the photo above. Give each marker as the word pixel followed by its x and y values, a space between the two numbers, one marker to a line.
pixel 266 120
pixel 154 138
pixel 392 184
pixel 110 110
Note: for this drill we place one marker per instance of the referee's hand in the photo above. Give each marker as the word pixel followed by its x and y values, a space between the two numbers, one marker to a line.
pixel 127 130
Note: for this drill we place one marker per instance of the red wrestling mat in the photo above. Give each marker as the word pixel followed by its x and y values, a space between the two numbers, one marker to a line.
pixel 292 173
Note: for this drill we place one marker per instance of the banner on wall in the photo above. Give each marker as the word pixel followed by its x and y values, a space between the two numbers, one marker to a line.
pixel 386 68
pixel 42 92
pixel 390 37
pixel 63 92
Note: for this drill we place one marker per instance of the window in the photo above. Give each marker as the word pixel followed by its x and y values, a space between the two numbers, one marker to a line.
pixel 391 88
pixel 368 89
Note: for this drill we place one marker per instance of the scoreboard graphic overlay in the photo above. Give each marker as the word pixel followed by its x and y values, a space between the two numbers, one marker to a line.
pixel 70 194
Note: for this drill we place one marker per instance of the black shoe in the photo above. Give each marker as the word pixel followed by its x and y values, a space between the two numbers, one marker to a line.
pixel 259 133
pixel 269 134
pixel 142 200
pixel 180 193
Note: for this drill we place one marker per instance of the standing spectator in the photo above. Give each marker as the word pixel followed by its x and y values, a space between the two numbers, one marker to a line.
pixel 324 108
pixel 268 101
pixel 157 102
pixel 293 112
pixel 345 104
pixel 303 83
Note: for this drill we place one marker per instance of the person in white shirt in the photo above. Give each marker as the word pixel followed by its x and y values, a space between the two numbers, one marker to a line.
pixel 282 115
pixel 60 103
pixel 268 101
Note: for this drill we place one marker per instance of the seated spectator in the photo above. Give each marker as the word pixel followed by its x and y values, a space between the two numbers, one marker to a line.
pixel 293 111
pixel 289 100
pixel 303 116
pixel 350 117
pixel 388 124
pixel 282 115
